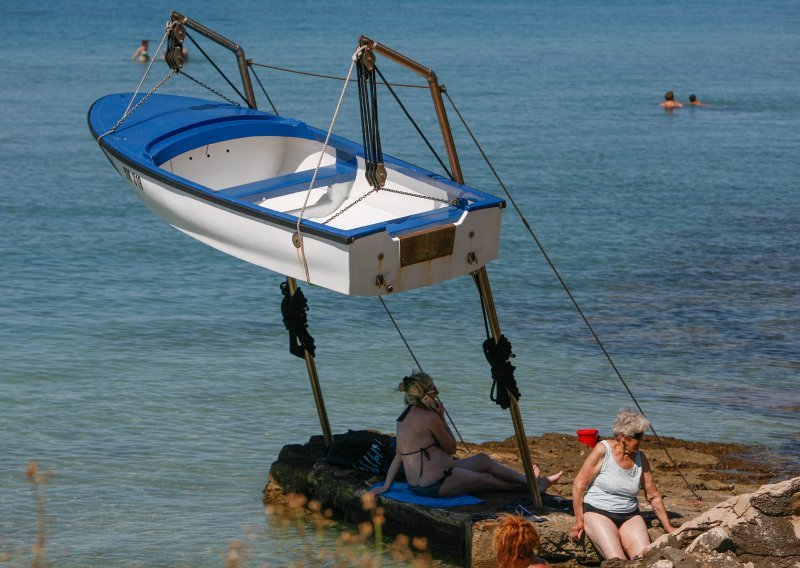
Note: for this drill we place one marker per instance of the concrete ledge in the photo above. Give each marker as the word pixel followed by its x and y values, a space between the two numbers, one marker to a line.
pixel 461 533
pixel 715 472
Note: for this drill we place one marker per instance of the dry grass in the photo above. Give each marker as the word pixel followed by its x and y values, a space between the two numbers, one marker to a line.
pixel 36 555
pixel 363 547
pixel 308 522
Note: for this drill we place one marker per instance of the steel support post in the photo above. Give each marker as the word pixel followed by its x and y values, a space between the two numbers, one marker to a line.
pixel 482 276
pixel 516 417
pixel 316 389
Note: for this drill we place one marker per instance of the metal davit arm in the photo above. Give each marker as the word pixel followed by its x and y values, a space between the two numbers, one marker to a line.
pixel 226 43
pixel 436 94
pixel 482 276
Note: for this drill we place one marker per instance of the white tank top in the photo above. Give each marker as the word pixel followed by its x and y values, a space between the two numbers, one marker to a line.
pixel 615 489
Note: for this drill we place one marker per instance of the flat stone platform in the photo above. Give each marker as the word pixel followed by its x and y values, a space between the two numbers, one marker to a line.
pixel 462 534
pixel 709 474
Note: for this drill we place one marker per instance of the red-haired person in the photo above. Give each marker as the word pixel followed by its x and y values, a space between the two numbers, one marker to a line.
pixel 516 544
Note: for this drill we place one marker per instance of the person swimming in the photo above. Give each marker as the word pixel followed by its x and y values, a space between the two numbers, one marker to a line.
pixel 141 53
pixel 693 101
pixel 670 102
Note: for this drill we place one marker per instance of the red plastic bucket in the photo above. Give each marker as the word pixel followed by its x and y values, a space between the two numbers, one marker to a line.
pixel 587 437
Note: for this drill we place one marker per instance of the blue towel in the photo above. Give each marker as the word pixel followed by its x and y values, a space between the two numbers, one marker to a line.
pixel 400 492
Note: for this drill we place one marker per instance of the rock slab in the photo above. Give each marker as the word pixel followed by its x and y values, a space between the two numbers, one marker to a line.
pixel 760 529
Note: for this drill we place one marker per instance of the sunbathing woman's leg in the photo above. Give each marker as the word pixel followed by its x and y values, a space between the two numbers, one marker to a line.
pixel 545 482
pixel 484 464
pixel 465 481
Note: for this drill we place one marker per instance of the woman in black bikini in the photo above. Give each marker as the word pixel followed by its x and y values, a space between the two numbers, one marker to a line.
pixel 425 448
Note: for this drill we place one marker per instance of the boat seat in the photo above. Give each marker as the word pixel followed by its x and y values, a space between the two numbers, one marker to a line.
pixel 340 171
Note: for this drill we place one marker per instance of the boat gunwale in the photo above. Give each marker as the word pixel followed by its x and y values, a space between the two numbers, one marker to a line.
pixel 146 165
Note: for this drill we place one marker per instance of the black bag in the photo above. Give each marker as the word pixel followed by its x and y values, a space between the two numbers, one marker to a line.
pixel 363 450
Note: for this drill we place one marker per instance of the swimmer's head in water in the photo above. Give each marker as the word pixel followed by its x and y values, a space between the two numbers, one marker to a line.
pixel 692 98
pixel 668 96
pixel 416 386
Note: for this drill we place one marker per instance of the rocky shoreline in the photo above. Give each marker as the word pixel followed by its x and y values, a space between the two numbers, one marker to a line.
pixel 694 478
pixel 702 478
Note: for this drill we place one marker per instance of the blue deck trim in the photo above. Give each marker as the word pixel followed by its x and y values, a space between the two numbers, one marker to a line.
pixel 169 125
pixel 185 139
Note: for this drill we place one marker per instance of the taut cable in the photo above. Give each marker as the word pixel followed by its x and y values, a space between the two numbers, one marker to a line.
pixel 567 290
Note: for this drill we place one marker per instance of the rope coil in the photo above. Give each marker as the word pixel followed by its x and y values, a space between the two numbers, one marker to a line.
pixel 294 310
pixel 503 381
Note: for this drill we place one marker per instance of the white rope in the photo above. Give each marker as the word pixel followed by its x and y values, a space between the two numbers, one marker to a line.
pixel 301 252
pixel 152 60
pixel 128 110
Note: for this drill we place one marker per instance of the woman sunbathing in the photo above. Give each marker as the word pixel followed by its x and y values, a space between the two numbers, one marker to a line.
pixel 425 448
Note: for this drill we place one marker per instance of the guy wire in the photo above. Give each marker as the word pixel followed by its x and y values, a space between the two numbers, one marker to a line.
pixel 567 290
pixel 385 307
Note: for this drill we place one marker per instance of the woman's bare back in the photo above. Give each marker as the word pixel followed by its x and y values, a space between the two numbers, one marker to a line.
pixel 424 460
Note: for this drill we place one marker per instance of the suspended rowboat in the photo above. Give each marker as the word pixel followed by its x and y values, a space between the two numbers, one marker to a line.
pixel 306 203
pixel 237 179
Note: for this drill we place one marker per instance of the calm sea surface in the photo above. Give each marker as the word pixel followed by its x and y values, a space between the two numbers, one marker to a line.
pixel 152 375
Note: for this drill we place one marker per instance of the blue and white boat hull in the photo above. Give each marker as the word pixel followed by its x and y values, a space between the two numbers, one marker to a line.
pixel 237 179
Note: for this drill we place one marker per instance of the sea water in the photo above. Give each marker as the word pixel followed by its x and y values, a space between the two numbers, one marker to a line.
pixel 151 373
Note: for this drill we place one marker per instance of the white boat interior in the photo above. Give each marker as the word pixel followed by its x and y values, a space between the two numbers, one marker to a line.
pixel 275 172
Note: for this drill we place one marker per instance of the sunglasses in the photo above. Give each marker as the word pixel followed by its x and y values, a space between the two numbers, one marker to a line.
pixel 637 436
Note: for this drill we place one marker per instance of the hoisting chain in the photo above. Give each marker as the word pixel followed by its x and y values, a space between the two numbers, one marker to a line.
pixel 215 66
pixel 199 82
pixel 129 111
pixel 174 34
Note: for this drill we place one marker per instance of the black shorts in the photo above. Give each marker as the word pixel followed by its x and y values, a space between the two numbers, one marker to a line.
pixel 618 519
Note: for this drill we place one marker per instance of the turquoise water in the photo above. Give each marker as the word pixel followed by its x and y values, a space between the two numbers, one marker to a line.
pixel 152 374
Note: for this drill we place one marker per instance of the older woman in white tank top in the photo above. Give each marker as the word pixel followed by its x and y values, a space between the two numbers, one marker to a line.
pixel 606 488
